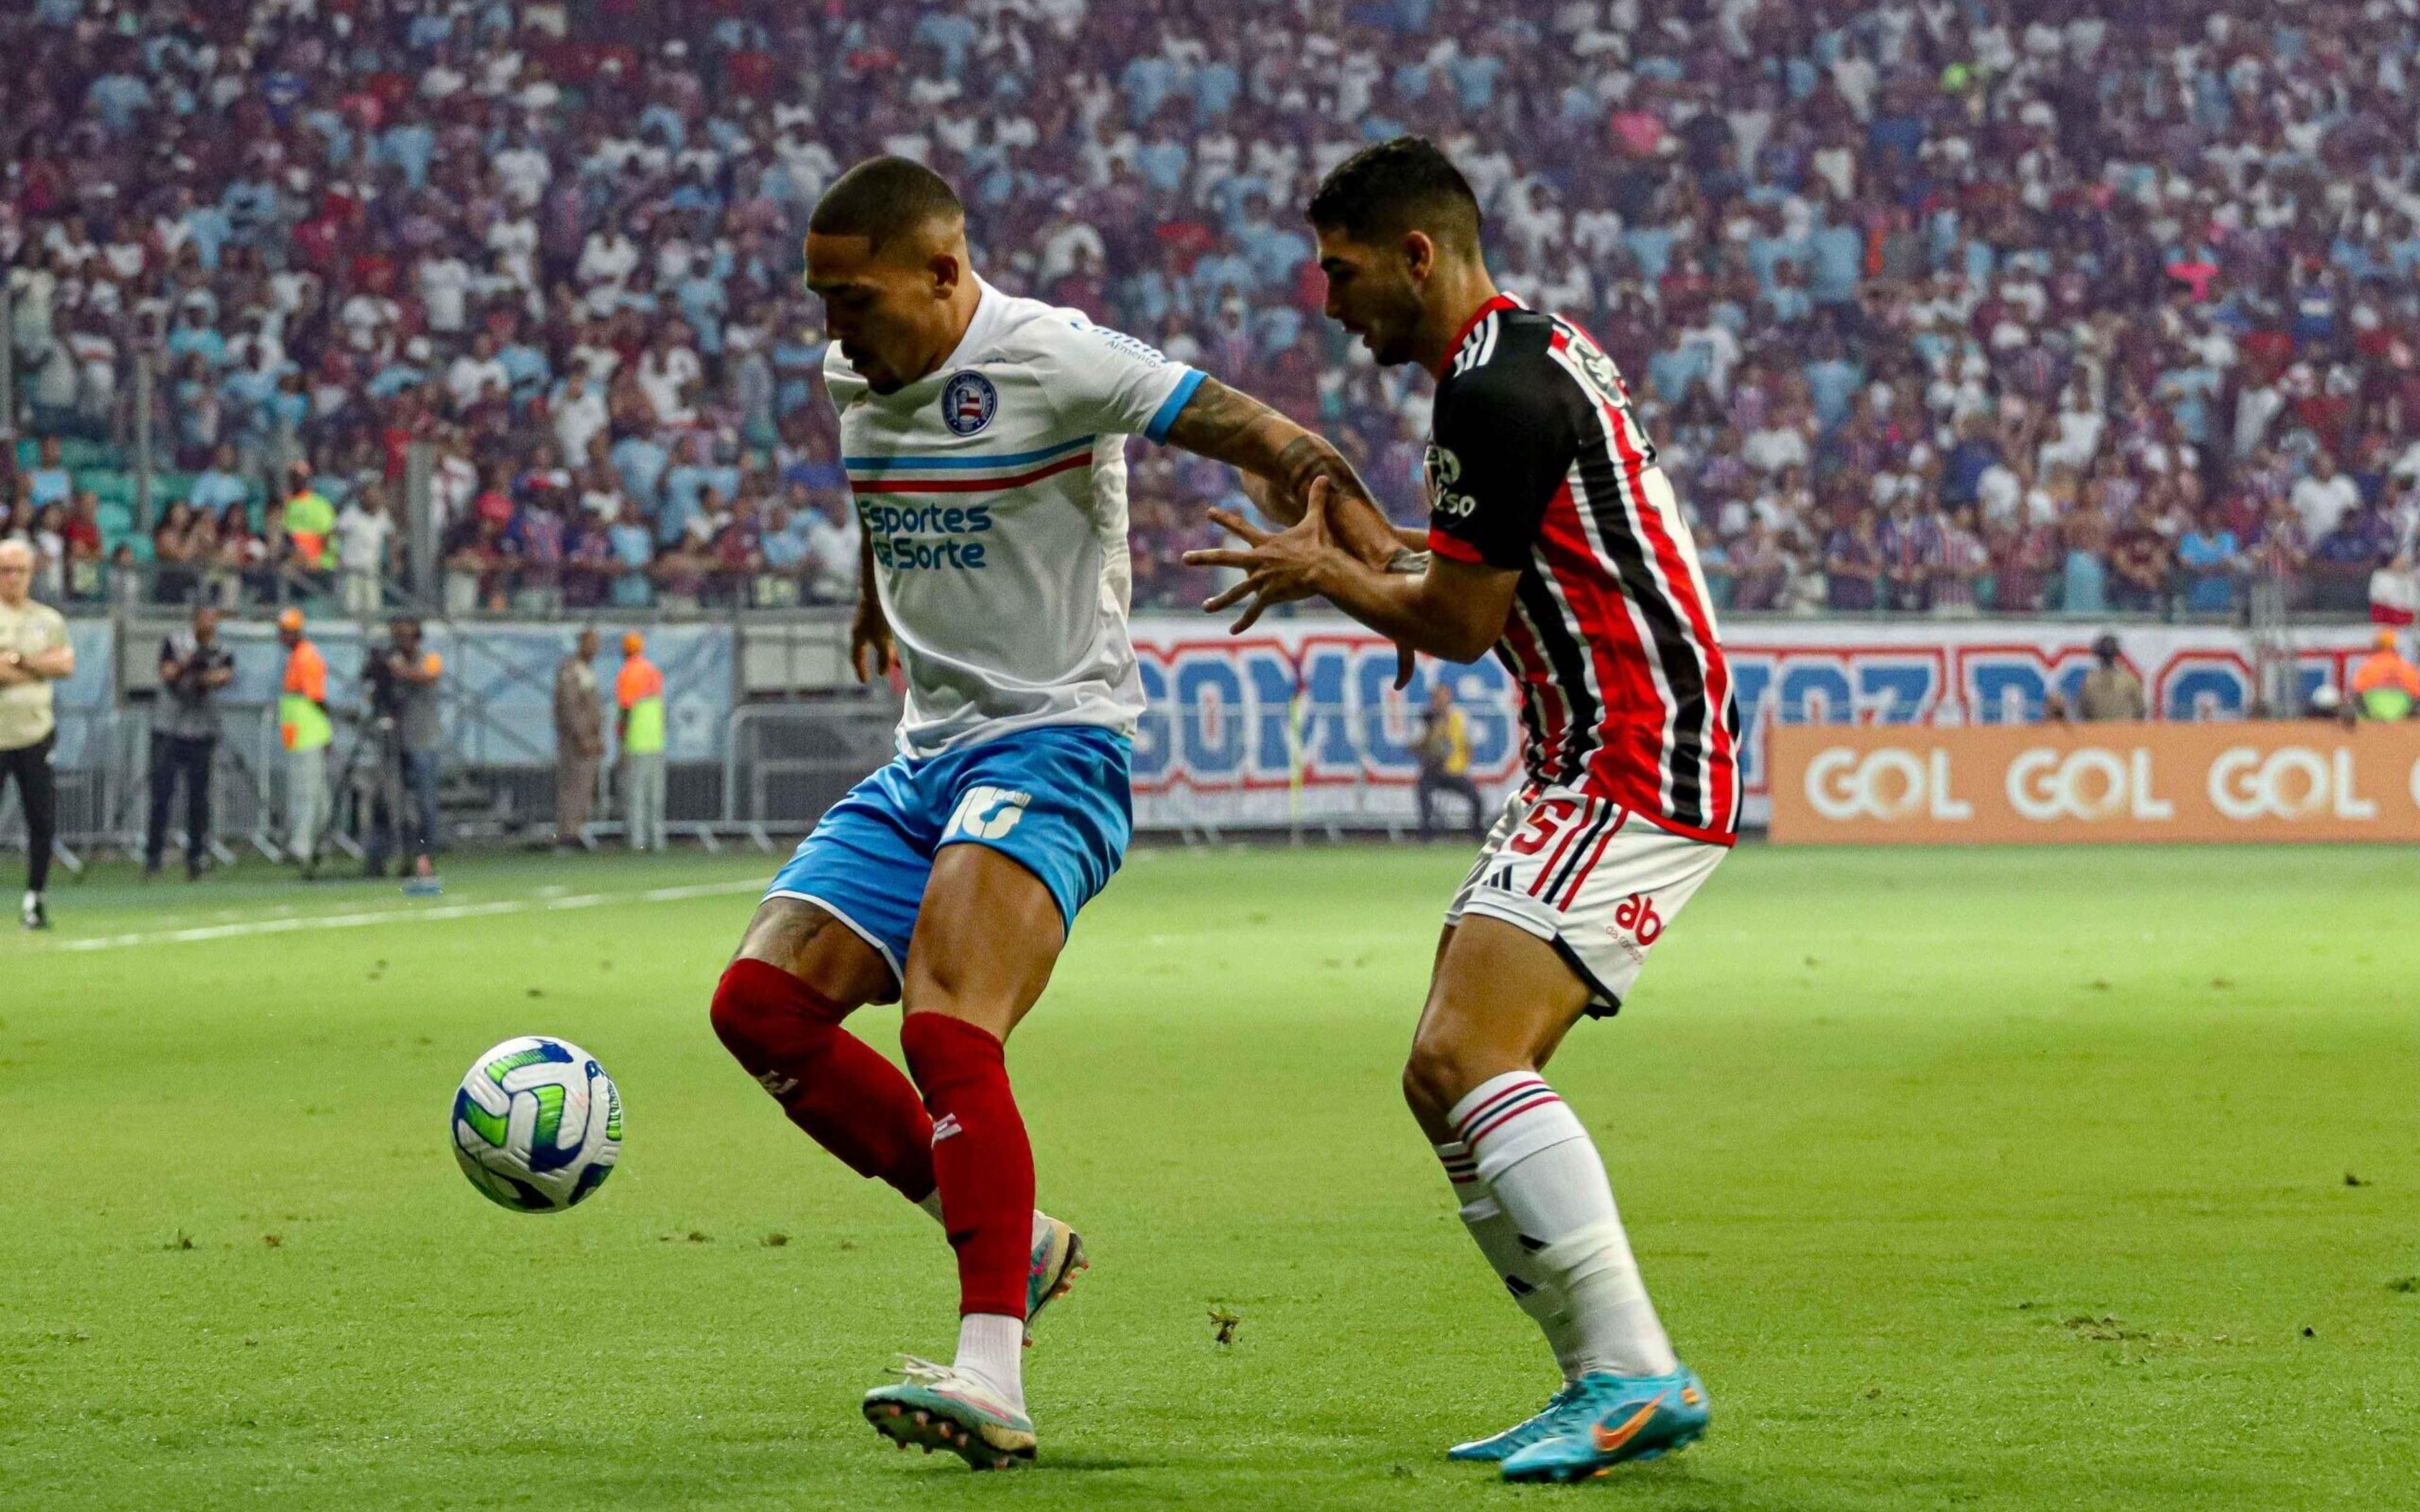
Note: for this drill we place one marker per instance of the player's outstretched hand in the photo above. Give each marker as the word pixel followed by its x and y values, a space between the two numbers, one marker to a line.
pixel 869 650
pixel 1281 566
pixel 1278 567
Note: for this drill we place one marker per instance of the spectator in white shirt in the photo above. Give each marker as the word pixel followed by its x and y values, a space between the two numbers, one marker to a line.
pixel 444 290
pixel 580 416
pixel 363 531
pixel 600 491
pixel 666 370
pixel 475 371
pixel 607 258
pixel 454 481
pixel 2323 496
pixel 525 170
pixel 2079 427
pixel 514 241
pixel 832 551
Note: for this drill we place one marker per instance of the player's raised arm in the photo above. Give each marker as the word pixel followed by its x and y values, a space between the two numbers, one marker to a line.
pixel 1230 426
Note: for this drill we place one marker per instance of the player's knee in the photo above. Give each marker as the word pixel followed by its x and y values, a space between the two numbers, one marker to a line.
pixel 733 1012
pixel 763 1015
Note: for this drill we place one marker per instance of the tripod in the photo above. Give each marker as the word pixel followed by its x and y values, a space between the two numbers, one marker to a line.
pixel 387 791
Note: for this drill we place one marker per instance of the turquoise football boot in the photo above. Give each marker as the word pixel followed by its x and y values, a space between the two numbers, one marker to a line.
pixel 1519 1436
pixel 1057 1255
pixel 939 1407
pixel 1610 1419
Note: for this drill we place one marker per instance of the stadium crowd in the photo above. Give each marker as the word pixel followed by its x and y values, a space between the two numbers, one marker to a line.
pixel 1934 305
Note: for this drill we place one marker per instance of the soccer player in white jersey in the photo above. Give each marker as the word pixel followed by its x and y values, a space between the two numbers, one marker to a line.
pixel 1555 539
pixel 985 439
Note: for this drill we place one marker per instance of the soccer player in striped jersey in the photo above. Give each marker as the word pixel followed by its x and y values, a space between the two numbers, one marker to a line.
pixel 984 438
pixel 1555 539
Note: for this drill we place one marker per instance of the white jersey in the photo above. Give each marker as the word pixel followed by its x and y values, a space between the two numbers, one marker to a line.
pixel 993 494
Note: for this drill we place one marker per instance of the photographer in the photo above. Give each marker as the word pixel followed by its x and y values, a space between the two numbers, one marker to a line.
pixel 194 665
pixel 403 693
pixel 33 654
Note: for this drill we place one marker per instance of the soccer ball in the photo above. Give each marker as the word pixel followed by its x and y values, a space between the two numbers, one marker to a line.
pixel 538 1124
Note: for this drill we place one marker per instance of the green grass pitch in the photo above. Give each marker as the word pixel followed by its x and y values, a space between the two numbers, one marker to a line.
pixel 1992 1179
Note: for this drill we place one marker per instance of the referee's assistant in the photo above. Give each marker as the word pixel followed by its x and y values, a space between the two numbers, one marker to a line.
pixel 33 654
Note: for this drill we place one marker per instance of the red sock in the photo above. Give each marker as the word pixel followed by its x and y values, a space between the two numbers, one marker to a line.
pixel 982 1157
pixel 832 1083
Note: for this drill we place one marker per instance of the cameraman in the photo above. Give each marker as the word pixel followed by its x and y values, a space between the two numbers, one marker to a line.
pixel 194 665
pixel 403 683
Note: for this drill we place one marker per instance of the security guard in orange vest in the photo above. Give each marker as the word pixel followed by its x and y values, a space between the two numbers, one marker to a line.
pixel 639 693
pixel 304 729
pixel 2384 686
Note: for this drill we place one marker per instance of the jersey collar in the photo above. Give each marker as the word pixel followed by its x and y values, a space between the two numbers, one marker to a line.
pixel 1495 303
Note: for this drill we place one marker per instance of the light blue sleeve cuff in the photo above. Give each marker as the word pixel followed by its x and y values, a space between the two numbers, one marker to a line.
pixel 1170 406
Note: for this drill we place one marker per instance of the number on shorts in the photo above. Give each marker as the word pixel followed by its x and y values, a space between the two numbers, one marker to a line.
pixel 988 813
pixel 1545 822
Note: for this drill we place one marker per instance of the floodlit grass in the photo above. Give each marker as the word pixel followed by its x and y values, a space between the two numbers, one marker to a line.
pixel 1987 1179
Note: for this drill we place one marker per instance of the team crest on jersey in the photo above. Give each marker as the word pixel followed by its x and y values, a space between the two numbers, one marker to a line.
pixel 968 402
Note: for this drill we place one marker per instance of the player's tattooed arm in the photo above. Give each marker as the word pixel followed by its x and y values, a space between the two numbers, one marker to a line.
pixel 870 649
pixel 1280 461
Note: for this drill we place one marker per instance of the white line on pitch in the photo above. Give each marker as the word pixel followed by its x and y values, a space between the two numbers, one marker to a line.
pixel 291 924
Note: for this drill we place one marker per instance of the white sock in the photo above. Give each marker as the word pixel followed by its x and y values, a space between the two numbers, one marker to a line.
pixel 33 901
pixel 1513 1261
pixel 1543 1172
pixel 991 1348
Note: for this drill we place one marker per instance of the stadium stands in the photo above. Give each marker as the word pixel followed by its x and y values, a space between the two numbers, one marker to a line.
pixel 1936 305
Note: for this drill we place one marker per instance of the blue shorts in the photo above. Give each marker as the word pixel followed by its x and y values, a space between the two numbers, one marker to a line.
pixel 1055 800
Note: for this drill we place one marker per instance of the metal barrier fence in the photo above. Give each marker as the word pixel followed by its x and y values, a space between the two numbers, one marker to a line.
pixel 785 764
pixel 105 795
pixel 1202 770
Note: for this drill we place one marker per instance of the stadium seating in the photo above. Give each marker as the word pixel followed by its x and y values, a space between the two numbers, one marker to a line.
pixel 1927 311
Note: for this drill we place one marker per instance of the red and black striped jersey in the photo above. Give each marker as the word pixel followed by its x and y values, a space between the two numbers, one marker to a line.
pixel 1536 465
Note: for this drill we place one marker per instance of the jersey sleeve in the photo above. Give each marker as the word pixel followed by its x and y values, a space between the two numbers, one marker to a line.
pixel 1100 379
pixel 1502 443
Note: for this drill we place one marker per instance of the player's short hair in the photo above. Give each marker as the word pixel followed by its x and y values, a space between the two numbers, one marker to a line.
pixel 1404 185
pixel 882 198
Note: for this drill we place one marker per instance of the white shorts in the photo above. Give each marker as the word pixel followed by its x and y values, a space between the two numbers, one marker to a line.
pixel 1594 880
